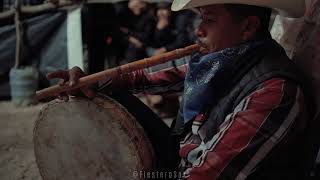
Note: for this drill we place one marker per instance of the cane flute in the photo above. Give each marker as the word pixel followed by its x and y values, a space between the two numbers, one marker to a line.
pixel 123 69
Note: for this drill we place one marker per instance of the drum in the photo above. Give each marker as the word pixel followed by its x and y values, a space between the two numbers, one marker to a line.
pixel 90 139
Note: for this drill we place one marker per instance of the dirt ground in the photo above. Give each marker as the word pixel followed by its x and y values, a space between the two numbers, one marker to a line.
pixel 17 159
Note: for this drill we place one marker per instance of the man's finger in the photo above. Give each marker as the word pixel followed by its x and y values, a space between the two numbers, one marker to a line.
pixel 88 92
pixel 60 97
pixel 64 97
pixel 58 74
pixel 57 95
pixel 61 82
pixel 75 74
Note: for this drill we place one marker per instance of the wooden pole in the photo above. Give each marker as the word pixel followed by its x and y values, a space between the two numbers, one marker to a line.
pixel 124 69
pixel 18 33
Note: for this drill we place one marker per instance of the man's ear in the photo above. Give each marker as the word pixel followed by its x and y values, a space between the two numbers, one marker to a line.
pixel 250 27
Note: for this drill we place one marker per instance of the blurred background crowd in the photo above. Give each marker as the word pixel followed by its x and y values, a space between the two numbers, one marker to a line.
pixel 118 33
pixel 131 30
pixel 127 31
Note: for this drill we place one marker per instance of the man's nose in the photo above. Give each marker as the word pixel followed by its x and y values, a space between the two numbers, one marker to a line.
pixel 199 32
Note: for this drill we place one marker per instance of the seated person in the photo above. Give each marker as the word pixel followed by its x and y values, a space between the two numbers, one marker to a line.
pixel 170 33
pixel 164 30
pixel 139 29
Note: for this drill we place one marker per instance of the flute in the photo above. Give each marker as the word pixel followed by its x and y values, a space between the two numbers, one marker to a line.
pixel 123 69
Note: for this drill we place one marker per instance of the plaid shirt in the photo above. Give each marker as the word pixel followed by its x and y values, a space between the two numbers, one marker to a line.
pixel 267 119
pixel 163 78
pixel 270 117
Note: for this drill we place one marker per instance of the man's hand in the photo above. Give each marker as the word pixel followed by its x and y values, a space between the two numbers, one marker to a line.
pixel 162 23
pixel 135 42
pixel 124 30
pixel 160 51
pixel 73 75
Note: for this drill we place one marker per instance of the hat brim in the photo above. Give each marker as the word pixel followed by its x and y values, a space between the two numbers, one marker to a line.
pixel 286 8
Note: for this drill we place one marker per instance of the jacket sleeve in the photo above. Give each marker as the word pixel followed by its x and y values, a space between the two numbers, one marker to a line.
pixel 257 125
pixel 167 79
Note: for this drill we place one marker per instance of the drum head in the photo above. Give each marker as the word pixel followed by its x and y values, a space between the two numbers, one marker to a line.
pixel 90 140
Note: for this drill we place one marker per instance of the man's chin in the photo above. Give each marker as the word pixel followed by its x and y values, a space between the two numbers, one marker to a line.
pixel 201 44
pixel 204 50
pixel 203 47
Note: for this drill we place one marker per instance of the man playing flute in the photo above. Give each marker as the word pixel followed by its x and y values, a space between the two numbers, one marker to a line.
pixel 244 112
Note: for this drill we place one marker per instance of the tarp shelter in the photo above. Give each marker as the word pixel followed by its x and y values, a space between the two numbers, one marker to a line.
pixel 52 41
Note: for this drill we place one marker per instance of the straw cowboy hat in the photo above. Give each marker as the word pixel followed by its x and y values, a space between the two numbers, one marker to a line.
pixel 288 8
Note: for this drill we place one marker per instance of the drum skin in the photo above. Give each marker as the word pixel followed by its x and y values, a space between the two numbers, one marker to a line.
pixel 89 140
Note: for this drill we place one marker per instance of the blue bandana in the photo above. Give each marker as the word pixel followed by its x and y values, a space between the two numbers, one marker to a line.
pixel 199 85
